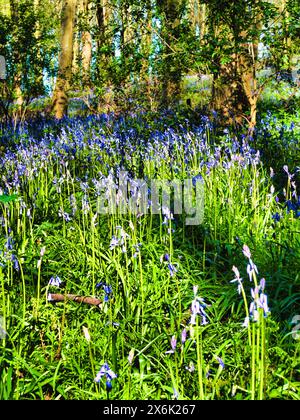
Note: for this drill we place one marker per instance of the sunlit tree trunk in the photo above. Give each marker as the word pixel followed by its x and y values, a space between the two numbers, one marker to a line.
pixel 202 20
pixel 287 42
pixel 146 45
pixel 193 14
pixel 75 62
pixel 104 39
pixel 247 68
pixel 86 46
pixel 60 96
pixel 14 12
pixel 39 78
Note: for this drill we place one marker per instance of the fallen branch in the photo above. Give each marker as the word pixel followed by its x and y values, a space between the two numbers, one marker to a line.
pixel 56 297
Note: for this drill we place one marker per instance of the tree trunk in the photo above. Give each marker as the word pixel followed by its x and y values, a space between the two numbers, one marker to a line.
pixel 60 96
pixel 39 77
pixel 86 47
pixel 247 74
pixel 75 61
pixel 146 45
pixel 104 38
pixel 202 28
pixel 14 12
pixel 287 43
pixel 170 77
pixel 235 90
pixel 228 99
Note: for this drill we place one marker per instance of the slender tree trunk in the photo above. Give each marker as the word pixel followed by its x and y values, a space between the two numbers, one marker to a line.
pixel 146 45
pixel 39 77
pixel 86 47
pixel 14 12
pixel 104 38
pixel 75 61
pixel 202 13
pixel 171 73
pixel 193 12
pixel 287 43
pixel 60 96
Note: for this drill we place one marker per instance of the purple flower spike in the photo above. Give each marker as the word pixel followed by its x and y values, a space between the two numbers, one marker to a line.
pixel 173 345
pixel 107 372
pixel 237 279
pixel 183 336
pixel 246 252
pixel 251 269
pixel 173 342
pixel 262 284
pixel 221 363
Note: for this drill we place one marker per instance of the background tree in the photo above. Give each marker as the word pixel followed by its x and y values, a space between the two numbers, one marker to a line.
pixel 172 24
pixel 60 95
pixel 28 42
pixel 126 54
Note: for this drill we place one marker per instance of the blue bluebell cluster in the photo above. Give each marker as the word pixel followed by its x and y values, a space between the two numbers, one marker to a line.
pixel 114 142
pixel 8 255
pixel 107 290
pixel 108 374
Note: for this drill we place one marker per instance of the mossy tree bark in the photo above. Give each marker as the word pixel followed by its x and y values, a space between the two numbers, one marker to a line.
pixel 235 88
pixel 171 13
pixel 60 96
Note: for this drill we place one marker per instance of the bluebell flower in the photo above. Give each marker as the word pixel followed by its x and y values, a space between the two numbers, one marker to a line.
pixel 173 345
pixel 167 214
pixel 246 251
pixel 166 257
pixel 173 269
pixel 237 279
pixel 251 269
pixel 55 281
pixel 108 385
pixel 276 217
pixel 197 178
pixel 15 261
pixel 105 371
pixel 183 336
pixel 64 215
pixel 220 361
pixel 108 292
pixel 262 284
pixel 198 308
pixel 114 243
pixel 260 301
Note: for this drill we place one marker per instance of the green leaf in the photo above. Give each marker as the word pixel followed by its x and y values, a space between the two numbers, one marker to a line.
pixel 8 198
